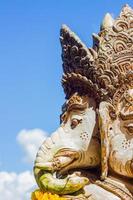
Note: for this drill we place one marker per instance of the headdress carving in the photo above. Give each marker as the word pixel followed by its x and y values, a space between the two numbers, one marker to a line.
pixel 78 62
pixel 104 69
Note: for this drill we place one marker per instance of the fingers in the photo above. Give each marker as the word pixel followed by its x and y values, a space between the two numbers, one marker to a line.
pixel 48 166
pixel 67 153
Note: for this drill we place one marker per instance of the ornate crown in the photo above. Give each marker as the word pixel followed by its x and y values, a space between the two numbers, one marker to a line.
pixel 102 70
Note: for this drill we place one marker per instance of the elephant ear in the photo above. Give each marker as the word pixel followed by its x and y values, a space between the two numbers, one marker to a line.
pixel 104 123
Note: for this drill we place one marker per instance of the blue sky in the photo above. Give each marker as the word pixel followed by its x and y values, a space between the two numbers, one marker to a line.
pixel 31 95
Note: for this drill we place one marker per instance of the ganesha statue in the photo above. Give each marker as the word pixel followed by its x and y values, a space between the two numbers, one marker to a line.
pixel 90 156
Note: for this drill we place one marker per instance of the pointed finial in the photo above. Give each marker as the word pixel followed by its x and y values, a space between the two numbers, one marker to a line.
pixel 107 22
pixel 126 9
pixel 126 6
pixel 64 26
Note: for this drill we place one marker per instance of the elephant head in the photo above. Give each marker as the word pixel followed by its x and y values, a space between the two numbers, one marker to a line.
pixel 73 145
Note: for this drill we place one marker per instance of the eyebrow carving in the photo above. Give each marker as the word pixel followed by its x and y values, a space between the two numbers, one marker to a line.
pixel 126 116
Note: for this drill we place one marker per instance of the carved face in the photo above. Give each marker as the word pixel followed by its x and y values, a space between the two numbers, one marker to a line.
pixel 78 132
pixel 76 135
pixel 117 126
pixel 122 116
pixel 126 114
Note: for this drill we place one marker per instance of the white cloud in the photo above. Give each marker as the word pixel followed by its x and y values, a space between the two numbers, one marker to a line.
pixel 16 186
pixel 30 140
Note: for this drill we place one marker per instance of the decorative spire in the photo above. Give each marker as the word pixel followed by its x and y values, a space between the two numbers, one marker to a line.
pixel 107 22
pixel 75 54
pixel 77 62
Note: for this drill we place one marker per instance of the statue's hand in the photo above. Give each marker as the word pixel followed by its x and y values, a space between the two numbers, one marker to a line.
pixel 62 159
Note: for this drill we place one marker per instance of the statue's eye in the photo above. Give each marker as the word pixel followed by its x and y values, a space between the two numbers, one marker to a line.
pixel 75 122
pixel 129 127
pixel 113 115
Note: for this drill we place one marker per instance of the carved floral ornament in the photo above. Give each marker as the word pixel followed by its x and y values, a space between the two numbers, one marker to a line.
pixel 96 128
